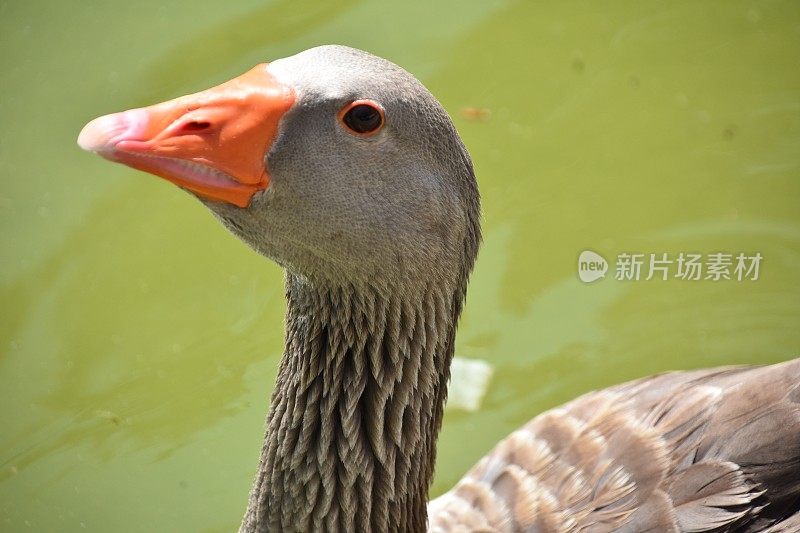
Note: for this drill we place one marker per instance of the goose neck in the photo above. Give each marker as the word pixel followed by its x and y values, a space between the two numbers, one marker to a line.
pixel 357 407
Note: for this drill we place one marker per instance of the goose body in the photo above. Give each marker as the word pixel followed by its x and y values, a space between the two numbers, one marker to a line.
pixel 708 450
pixel 346 171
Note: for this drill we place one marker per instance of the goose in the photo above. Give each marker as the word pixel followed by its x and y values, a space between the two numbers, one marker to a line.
pixel 342 168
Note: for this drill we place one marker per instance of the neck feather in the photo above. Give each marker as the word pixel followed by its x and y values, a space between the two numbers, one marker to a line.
pixel 352 427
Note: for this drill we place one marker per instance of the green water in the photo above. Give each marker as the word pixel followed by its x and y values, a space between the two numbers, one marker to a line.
pixel 139 341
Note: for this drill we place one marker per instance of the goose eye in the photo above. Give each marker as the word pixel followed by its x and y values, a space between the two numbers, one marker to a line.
pixel 362 117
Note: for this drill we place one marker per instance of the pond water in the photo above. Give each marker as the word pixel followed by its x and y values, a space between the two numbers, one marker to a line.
pixel 139 340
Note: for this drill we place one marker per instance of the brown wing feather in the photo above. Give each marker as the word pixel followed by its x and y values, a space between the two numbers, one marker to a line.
pixel 712 450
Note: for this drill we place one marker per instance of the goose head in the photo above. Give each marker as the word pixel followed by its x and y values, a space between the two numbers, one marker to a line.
pixel 345 170
pixel 338 165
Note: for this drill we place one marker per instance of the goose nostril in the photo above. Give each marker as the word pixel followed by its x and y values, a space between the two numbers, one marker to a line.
pixel 195 126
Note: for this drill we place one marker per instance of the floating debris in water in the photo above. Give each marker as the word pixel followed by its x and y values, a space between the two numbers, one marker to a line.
pixel 469 380
pixel 578 64
pixel 108 415
pixel 475 113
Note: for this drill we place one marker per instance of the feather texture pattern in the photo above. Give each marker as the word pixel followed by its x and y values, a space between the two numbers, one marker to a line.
pixel 712 450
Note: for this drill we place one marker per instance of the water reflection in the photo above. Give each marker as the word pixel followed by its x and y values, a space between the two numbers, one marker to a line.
pixel 126 348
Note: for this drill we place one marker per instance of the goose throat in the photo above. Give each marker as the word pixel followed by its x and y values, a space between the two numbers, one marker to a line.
pixel 357 407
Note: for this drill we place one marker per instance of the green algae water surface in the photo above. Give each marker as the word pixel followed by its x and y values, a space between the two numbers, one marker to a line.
pixel 139 340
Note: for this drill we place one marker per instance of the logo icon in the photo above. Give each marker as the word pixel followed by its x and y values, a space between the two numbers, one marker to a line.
pixel 591 266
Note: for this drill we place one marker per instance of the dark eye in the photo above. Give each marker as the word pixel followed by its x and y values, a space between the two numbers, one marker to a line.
pixel 362 117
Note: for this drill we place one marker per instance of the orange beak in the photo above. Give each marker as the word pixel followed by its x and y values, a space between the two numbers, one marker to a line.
pixel 213 143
